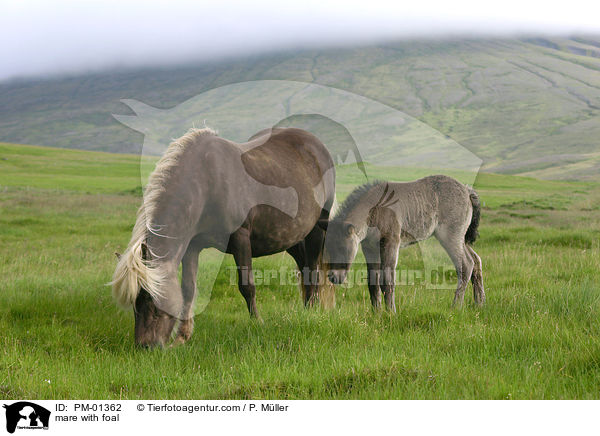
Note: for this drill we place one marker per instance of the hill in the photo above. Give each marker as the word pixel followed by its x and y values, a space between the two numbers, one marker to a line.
pixel 528 107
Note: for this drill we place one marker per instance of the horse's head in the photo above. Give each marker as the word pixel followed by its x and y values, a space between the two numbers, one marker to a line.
pixel 341 245
pixel 153 326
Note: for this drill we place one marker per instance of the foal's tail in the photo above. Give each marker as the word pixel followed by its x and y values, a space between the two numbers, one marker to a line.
pixel 472 232
pixel 133 271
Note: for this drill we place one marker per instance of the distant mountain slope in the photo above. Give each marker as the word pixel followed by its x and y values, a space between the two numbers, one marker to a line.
pixel 527 106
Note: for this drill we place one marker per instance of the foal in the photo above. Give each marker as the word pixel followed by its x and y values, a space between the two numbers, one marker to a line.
pixel 385 216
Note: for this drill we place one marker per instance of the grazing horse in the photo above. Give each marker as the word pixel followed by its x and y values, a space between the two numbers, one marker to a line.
pixel 383 217
pixel 268 195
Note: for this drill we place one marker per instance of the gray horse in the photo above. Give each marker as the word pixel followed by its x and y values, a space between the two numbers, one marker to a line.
pixel 383 217
pixel 268 195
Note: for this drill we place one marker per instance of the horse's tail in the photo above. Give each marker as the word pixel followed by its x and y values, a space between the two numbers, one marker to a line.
pixel 472 233
pixel 134 271
pixel 325 288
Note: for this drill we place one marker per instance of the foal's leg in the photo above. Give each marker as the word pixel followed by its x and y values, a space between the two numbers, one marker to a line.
pixel 389 260
pixel 240 247
pixel 373 273
pixel 477 277
pixel 189 271
pixel 455 247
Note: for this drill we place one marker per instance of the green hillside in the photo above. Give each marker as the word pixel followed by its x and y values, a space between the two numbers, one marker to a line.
pixel 528 107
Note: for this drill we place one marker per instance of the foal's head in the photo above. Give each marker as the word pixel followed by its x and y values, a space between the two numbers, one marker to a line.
pixel 360 210
pixel 341 245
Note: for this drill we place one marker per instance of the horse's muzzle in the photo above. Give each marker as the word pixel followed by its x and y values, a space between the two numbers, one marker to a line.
pixel 153 326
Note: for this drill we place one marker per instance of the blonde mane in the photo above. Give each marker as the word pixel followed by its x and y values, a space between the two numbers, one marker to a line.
pixel 133 272
pixel 162 171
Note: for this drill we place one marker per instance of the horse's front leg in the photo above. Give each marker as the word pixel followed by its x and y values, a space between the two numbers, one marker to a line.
pixel 240 247
pixel 189 271
pixel 389 259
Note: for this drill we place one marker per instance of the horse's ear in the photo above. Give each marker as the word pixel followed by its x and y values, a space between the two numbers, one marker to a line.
pixel 323 223
pixel 350 229
pixel 118 255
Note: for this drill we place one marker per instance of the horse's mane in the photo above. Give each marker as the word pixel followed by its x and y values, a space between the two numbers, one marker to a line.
pixel 165 165
pixel 352 200
pixel 133 270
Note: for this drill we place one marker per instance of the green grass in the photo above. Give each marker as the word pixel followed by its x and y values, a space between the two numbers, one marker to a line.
pixel 64 213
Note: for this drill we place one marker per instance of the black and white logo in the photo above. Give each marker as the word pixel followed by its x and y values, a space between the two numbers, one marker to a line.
pixel 26 415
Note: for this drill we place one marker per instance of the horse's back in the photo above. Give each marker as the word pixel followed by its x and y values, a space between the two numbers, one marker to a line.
pixel 286 156
pixel 427 203
pixel 453 204
pixel 437 188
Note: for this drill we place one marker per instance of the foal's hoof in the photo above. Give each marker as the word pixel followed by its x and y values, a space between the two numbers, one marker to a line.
pixel 457 303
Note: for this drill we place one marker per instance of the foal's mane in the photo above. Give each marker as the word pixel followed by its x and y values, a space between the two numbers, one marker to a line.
pixel 353 199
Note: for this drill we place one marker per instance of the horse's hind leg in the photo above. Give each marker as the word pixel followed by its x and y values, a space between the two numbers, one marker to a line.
pixel 477 277
pixel 313 244
pixel 456 249
pixel 298 252
pixel 464 274
pixel 189 271
pixel 389 260
pixel 240 247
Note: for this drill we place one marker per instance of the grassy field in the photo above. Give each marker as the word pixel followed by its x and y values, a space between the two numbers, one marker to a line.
pixel 63 214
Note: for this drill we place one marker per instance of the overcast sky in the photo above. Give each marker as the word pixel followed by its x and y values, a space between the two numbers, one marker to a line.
pixel 43 37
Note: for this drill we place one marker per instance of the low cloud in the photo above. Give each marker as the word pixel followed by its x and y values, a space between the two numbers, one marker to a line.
pixel 42 38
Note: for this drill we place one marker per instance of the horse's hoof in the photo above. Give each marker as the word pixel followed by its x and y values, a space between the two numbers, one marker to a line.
pixel 179 340
pixel 255 317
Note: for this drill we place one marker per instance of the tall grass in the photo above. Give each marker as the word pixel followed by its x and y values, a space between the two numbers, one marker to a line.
pixel 62 336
